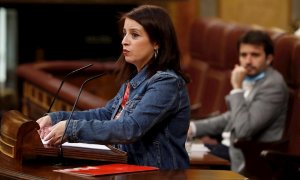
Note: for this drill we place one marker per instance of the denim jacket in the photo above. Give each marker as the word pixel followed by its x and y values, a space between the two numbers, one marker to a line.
pixel 152 127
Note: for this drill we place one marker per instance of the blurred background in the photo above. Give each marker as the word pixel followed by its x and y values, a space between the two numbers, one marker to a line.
pixel 48 30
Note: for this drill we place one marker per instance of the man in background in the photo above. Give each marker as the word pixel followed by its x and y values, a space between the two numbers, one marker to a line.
pixel 257 103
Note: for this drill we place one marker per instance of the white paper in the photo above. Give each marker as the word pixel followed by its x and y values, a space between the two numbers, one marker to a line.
pixel 85 145
pixel 196 147
pixel 82 145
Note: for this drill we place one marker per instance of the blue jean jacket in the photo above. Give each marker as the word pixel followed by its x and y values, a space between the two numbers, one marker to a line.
pixel 152 128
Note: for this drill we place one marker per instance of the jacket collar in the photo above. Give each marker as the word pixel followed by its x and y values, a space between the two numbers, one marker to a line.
pixel 268 71
pixel 139 77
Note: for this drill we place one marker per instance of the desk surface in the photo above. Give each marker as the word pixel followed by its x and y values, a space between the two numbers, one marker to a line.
pixel 206 159
pixel 39 169
pixel 201 158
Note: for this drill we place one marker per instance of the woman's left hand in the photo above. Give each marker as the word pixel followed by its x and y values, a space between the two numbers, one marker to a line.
pixel 56 133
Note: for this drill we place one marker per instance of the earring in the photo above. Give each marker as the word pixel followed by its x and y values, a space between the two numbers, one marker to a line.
pixel 155 53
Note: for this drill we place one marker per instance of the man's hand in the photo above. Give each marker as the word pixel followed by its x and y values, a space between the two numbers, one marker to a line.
pixel 191 132
pixel 237 76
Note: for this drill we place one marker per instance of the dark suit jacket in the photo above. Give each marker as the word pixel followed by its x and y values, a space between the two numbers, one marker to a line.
pixel 259 117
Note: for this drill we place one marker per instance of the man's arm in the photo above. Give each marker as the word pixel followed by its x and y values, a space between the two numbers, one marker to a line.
pixel 211 126
pixel 267 105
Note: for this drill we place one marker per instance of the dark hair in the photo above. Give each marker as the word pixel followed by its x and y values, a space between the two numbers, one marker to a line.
pixel 257 37
pixel 159 27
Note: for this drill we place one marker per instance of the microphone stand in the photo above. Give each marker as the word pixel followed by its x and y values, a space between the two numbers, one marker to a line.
pixel 61 153
pixel 63 81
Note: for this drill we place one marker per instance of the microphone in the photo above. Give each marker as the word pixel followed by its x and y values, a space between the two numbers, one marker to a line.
pixel 73 108
pixel 62 82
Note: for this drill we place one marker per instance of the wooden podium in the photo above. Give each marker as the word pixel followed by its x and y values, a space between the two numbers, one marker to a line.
pixel 20 140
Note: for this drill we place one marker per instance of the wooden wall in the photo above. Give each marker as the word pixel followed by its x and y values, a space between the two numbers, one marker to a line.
pixel 267 13
pixel 183 13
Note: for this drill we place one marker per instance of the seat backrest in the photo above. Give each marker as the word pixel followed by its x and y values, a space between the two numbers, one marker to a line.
pixel 197 71
pixel 205 46
pixel 197 35
pixel 283 48
pixel 295 65
pixel 230 52
pixel 216 87
pixel 214 40
pixel 275 34
pixel 293 126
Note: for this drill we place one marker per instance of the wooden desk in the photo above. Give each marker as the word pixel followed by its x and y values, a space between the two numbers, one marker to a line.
pixel 201 158
pixel 38 170
pixel 205 160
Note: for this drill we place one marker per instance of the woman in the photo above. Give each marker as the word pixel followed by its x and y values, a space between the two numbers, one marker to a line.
pixel 149 116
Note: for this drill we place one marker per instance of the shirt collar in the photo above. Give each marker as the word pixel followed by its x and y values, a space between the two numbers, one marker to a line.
pixel 255 78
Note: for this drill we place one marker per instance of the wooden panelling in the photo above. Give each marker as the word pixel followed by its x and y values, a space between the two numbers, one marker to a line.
pixel 266 13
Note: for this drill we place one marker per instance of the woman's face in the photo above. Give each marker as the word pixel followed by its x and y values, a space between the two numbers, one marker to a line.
pixel 137 47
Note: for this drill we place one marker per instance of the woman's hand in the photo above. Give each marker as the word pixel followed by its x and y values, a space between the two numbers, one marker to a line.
pixel 45 123
pixel 54 137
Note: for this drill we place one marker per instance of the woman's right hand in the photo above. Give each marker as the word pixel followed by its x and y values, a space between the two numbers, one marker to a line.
pixel 45 126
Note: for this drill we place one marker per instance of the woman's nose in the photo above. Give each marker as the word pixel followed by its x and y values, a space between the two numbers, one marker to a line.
pixel 124 40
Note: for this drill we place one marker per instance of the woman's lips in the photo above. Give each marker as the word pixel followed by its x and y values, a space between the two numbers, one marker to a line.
pixel 125 52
